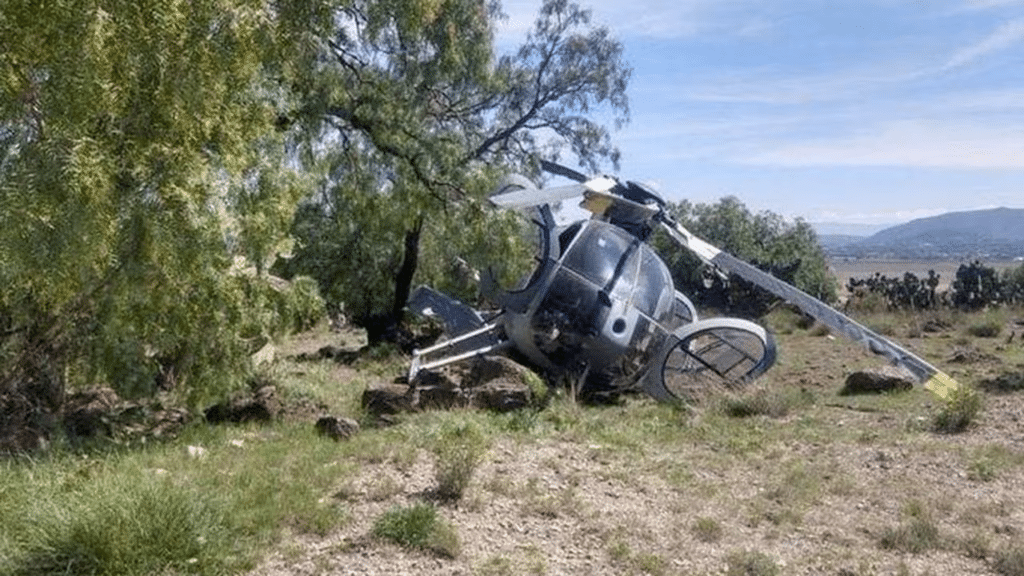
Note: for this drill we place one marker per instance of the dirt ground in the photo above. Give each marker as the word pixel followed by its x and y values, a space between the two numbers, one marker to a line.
pixel 837 487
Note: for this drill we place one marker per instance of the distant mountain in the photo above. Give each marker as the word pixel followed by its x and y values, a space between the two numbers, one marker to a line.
pixel 994 234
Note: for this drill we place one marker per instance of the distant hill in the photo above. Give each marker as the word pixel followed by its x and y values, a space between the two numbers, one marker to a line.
pixel 987 234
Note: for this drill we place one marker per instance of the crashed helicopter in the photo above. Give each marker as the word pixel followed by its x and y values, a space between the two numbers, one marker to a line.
pixel 601 309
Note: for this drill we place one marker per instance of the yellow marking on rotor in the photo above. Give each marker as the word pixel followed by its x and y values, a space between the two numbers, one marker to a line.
pixel 942 385
pixel 597 203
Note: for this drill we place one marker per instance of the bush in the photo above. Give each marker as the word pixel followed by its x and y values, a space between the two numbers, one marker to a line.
pixel 418 526
pixel 959 410
pixel 459 450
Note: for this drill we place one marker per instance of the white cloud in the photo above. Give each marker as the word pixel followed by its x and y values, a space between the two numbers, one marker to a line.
pixel 1005 36
pixel 910 144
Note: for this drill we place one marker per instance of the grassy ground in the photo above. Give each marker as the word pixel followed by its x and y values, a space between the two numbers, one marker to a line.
pixel 790 478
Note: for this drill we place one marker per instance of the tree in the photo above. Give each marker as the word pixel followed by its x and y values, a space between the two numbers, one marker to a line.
pixel 412 124
pixel 138 158
pixel 788 250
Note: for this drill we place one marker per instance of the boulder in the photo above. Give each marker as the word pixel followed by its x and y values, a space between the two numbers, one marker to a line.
pixel 877 381
pixel 261 405
pixel 387 398
pixel 337 428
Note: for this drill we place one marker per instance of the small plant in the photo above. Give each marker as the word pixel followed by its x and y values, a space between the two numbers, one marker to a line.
pixel 960 409
pixel 750 563
pixel 459 450
pixel 916 535
pixel 771 403
pixel 706 529
pixel 1009 561
pixel 418 526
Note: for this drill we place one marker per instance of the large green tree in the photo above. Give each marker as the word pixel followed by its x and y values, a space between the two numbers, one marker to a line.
pixel 413 121
pixel 139 157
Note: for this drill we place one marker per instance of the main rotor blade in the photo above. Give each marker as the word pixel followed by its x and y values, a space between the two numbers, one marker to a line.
pixel 558 169
pixel 526 197
pixel 938 382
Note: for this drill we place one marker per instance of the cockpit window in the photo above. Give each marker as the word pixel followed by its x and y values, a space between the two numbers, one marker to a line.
pixel 596 253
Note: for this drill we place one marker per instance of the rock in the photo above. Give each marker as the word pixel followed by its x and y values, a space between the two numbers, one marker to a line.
pixel 384 398
pixel 87 414
pixel 262 405
pixel 337 428
pixel 436 391
pixel 877 381
pixel 501 396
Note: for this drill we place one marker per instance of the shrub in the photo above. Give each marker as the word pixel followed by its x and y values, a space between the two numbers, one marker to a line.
pixel 418 526
pixel 459 450
pixel 959 410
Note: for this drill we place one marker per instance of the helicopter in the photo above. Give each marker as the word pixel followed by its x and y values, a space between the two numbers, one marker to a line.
pixel 600 307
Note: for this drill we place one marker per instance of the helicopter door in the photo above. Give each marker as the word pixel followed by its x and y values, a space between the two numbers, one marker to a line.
pixel 707 356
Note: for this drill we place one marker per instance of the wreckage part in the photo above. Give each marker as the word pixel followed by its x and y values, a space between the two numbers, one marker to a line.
pixel 933 379
pixel 457 316
pixel 418 364
pixel 710 355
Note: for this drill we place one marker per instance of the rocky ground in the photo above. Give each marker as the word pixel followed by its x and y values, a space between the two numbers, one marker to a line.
pixel 842 486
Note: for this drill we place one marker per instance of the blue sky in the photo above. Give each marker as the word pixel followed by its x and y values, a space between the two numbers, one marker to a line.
pixel 851 111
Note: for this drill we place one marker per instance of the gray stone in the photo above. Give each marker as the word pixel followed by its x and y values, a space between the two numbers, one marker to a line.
pixel 877 381
pixel 337 428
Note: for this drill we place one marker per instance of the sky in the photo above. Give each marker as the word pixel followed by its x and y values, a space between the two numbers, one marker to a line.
pixel 848 111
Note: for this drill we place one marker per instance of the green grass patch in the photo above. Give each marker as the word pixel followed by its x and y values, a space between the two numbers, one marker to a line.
pixel 418 526
pixel 917 533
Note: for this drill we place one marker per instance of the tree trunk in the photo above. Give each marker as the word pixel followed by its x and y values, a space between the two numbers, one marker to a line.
pixel 385 327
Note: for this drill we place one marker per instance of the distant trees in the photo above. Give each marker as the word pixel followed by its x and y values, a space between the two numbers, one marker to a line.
pixel 974 287
pixel 788 250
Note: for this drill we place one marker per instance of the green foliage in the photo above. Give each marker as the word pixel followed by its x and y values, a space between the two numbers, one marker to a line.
pixel 418 526
pixel 138 158
pixel 959 410
pixel 114 526
pixel 423 124
pixel 459 449
pixel 789 250
pixel 917 534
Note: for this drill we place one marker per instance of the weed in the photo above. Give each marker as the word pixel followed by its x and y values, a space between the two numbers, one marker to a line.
pixel 1009 561
pixel 750 563
pixel 917 534
pixel 772 403
pixel 495 566
pixel 976 546
pixel 459 450
pixel 706 529
pixel 418 526
pixel 959 410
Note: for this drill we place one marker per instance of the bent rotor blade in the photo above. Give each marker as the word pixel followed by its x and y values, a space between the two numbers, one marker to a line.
pixel 559 170
pixel 938 382
pixel 527 197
